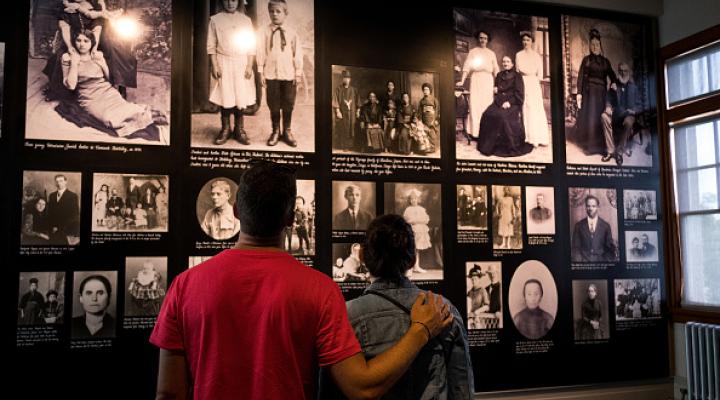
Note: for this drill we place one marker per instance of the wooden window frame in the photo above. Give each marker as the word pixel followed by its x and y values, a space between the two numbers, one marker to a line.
pixel 682 113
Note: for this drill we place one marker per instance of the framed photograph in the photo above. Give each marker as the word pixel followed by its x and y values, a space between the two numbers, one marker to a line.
pixel 347 265
pixel 593 225
pixel 640 205
pixel 214 209
pixel 420 205
pixel 590 310
pixel 608 115
pixel 146 283
pixel 472 210
pixel 533 299
pixel 353 205
pixel 41 299
pixel 99 72
pixel 130 203
pixel 385 112
pixel 50 208
pixel 507 217
pixel 483 281
pixel 254 89
pixel 502 87
pixel 641 246
pixel 94 305
pixel 540 210
pixel 637 299
pixel 299 239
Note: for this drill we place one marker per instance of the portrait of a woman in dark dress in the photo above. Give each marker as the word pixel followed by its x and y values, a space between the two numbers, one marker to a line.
pixel 501 126
pixel 589 325
pixel 592 84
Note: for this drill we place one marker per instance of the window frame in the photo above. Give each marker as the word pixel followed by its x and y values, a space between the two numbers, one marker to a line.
pixel 691 110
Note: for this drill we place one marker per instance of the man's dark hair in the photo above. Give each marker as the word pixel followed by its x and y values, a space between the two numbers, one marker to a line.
pixel 591 197
pixel 389 247
pixel 265 198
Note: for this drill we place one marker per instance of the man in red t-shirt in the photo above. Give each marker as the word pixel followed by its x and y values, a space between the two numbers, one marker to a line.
pixel 253 323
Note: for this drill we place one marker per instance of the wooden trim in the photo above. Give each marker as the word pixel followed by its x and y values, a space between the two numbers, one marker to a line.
pixel 673 251
pixel 699 39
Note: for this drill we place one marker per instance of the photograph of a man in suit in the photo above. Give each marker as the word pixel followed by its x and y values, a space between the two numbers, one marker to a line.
pixel 592 239
pixel 352 218
pixel 540 213
pixel 647 249
pixel 63 210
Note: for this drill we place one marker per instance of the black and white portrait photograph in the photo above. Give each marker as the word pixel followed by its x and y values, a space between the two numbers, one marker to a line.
pixel 507 217
pixel 593 225
pixel 214 208
pixel 94 312
pixel 194 261
pixel 50 208
pixel 637 299
pixel 608 119
pixel 420 205
pixel 41 298
pixel 99 71
pixel 472 209
pixel 641 246
pixel 299 239
pixel 533 299
pixel 385 112
pixel 502 87
pixel 353 205
pixel 130 203
pixel 483 281
pixel 640 205
pixel 540 210
pixel 254 75
pixel 146 284
pixel 347 265
pixel 590 310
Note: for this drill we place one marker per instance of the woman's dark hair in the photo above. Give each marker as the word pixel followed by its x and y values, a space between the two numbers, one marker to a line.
pixel 485 32
pixel 594 34
pixel 529 281
pixel 85 32
pixel 427 85
pixel 389 247
pixel 50 293
pixel 528 34
pixel 266 198
pixel 100 278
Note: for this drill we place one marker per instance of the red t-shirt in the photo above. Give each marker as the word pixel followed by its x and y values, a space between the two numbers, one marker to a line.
pixel 255 325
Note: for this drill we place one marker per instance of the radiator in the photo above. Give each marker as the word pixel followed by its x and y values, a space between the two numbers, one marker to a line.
pixel 702 347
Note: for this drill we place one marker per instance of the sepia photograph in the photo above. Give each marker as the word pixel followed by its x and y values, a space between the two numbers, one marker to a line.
pixel 641 246
pixel 507 217
pixel 593 225
pixel 640 205
pixel 299 239
pixel 502 87
pixel 590 310
pixel 94 305
pixel 533 299
pixel 353 205
pixel 214 208
pixel 254 75
pixel 484 294
pixel 637 299
pixel 130 203
pixel 99 71
pixel 41 299
pixel 608 116
pixel 146 283
pixel 348 267
pixel 472 210
pixel 385 112
pixel 50 208
pixel 420 205
pixel 540 210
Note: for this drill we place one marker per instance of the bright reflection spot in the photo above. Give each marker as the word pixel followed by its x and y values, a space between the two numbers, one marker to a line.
pixel 244 40
pixel 128 28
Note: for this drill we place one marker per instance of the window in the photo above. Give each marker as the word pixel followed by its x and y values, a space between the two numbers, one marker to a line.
pixel 696 158
pixel 690 126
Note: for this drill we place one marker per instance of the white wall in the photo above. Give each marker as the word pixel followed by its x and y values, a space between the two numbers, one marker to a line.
pixel 682 18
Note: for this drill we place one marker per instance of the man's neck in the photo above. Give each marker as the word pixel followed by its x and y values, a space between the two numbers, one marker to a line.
pixel 249 242
pixel 354 210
